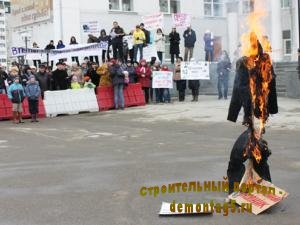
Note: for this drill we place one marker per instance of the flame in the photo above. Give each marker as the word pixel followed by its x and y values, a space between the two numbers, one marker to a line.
pixel 255 46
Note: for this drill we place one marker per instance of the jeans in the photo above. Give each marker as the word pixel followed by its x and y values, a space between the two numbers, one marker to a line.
pixel 188 54
pixel 136 48
pixel 223 82
pixel 167 96
pixel 209 55
pixel 119 96
pixel 160 56
pixel 159 92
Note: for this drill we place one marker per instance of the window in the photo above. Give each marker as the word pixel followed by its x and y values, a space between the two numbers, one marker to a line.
pixel 3 60
pixel 169 6
pixel 2 30
pixel 121 5
pixel 248 6
pixel 2 37
pixel 2 45
pixel 213 8
pixel 287 42
pixel 285 4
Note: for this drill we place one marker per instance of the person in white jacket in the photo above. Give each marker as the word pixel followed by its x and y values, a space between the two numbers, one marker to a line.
pixel 159 40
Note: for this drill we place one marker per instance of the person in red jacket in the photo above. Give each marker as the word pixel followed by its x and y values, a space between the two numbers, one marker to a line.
pixel 144 72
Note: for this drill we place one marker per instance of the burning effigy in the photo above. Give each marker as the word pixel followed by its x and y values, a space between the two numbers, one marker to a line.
pixel 255 91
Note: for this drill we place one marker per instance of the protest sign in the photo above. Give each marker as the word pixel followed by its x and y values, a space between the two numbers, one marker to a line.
pixel 181 20
pixel 148 52
pixel 162 79
pixel 260 197
pixel 195 71
pixel 153 22
pixel 129 40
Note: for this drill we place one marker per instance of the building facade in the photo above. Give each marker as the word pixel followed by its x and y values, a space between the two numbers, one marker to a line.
pixel 61 19
pixel 4 10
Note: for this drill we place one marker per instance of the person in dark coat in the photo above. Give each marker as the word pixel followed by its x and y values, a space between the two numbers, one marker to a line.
pixel 117 75
pixel 147 34
pixel 44 79
pixel 33 93
pixel 104 38
pixel 189 36
pixel 174 38
pixel 95 77
pixel 117 33
pixel 3 77
pixel 236 168
pixel 26 73
pixel 60 77
pixel 180 84
pixel 241 96
pixel 223 70
pixel 50 47
pixel 73 41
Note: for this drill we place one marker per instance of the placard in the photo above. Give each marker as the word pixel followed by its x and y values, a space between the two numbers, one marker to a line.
pixel 195 71
pixel 162 79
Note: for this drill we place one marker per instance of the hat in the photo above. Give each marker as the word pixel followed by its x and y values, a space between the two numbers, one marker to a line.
pixel 31 76
pixel 142 24
pixel 42 66
pixel 13 68
pixel 60 63
pixel 33 67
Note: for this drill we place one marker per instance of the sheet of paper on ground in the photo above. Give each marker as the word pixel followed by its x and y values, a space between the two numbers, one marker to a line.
pixel 166 209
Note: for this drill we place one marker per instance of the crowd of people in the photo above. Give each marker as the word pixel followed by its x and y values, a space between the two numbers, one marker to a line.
pixel 117 72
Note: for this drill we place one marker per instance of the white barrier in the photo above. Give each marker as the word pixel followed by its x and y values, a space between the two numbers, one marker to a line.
pixel 70 102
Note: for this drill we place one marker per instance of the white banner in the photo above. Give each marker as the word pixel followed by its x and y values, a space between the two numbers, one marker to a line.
pixel 148 53
pixel 129 40
pixel 78 50
pixel 195 71
pixel 153 22
pixel 56 54
pixel 181 20
pixel 162 79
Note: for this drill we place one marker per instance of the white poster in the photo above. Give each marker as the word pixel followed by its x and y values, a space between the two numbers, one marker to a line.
pixel 162 79
pixel 129 40
pixel 181 20
pixel 153 22
pixel 91 27
pixel 195 71
pixel 148 52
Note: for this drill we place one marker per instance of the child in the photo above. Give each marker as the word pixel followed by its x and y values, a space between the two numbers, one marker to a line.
pixel 166 91
pixel 33 92
pixel 16 94
pixel 74 83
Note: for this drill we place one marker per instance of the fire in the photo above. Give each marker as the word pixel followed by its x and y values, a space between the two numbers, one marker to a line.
pixel 255 46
